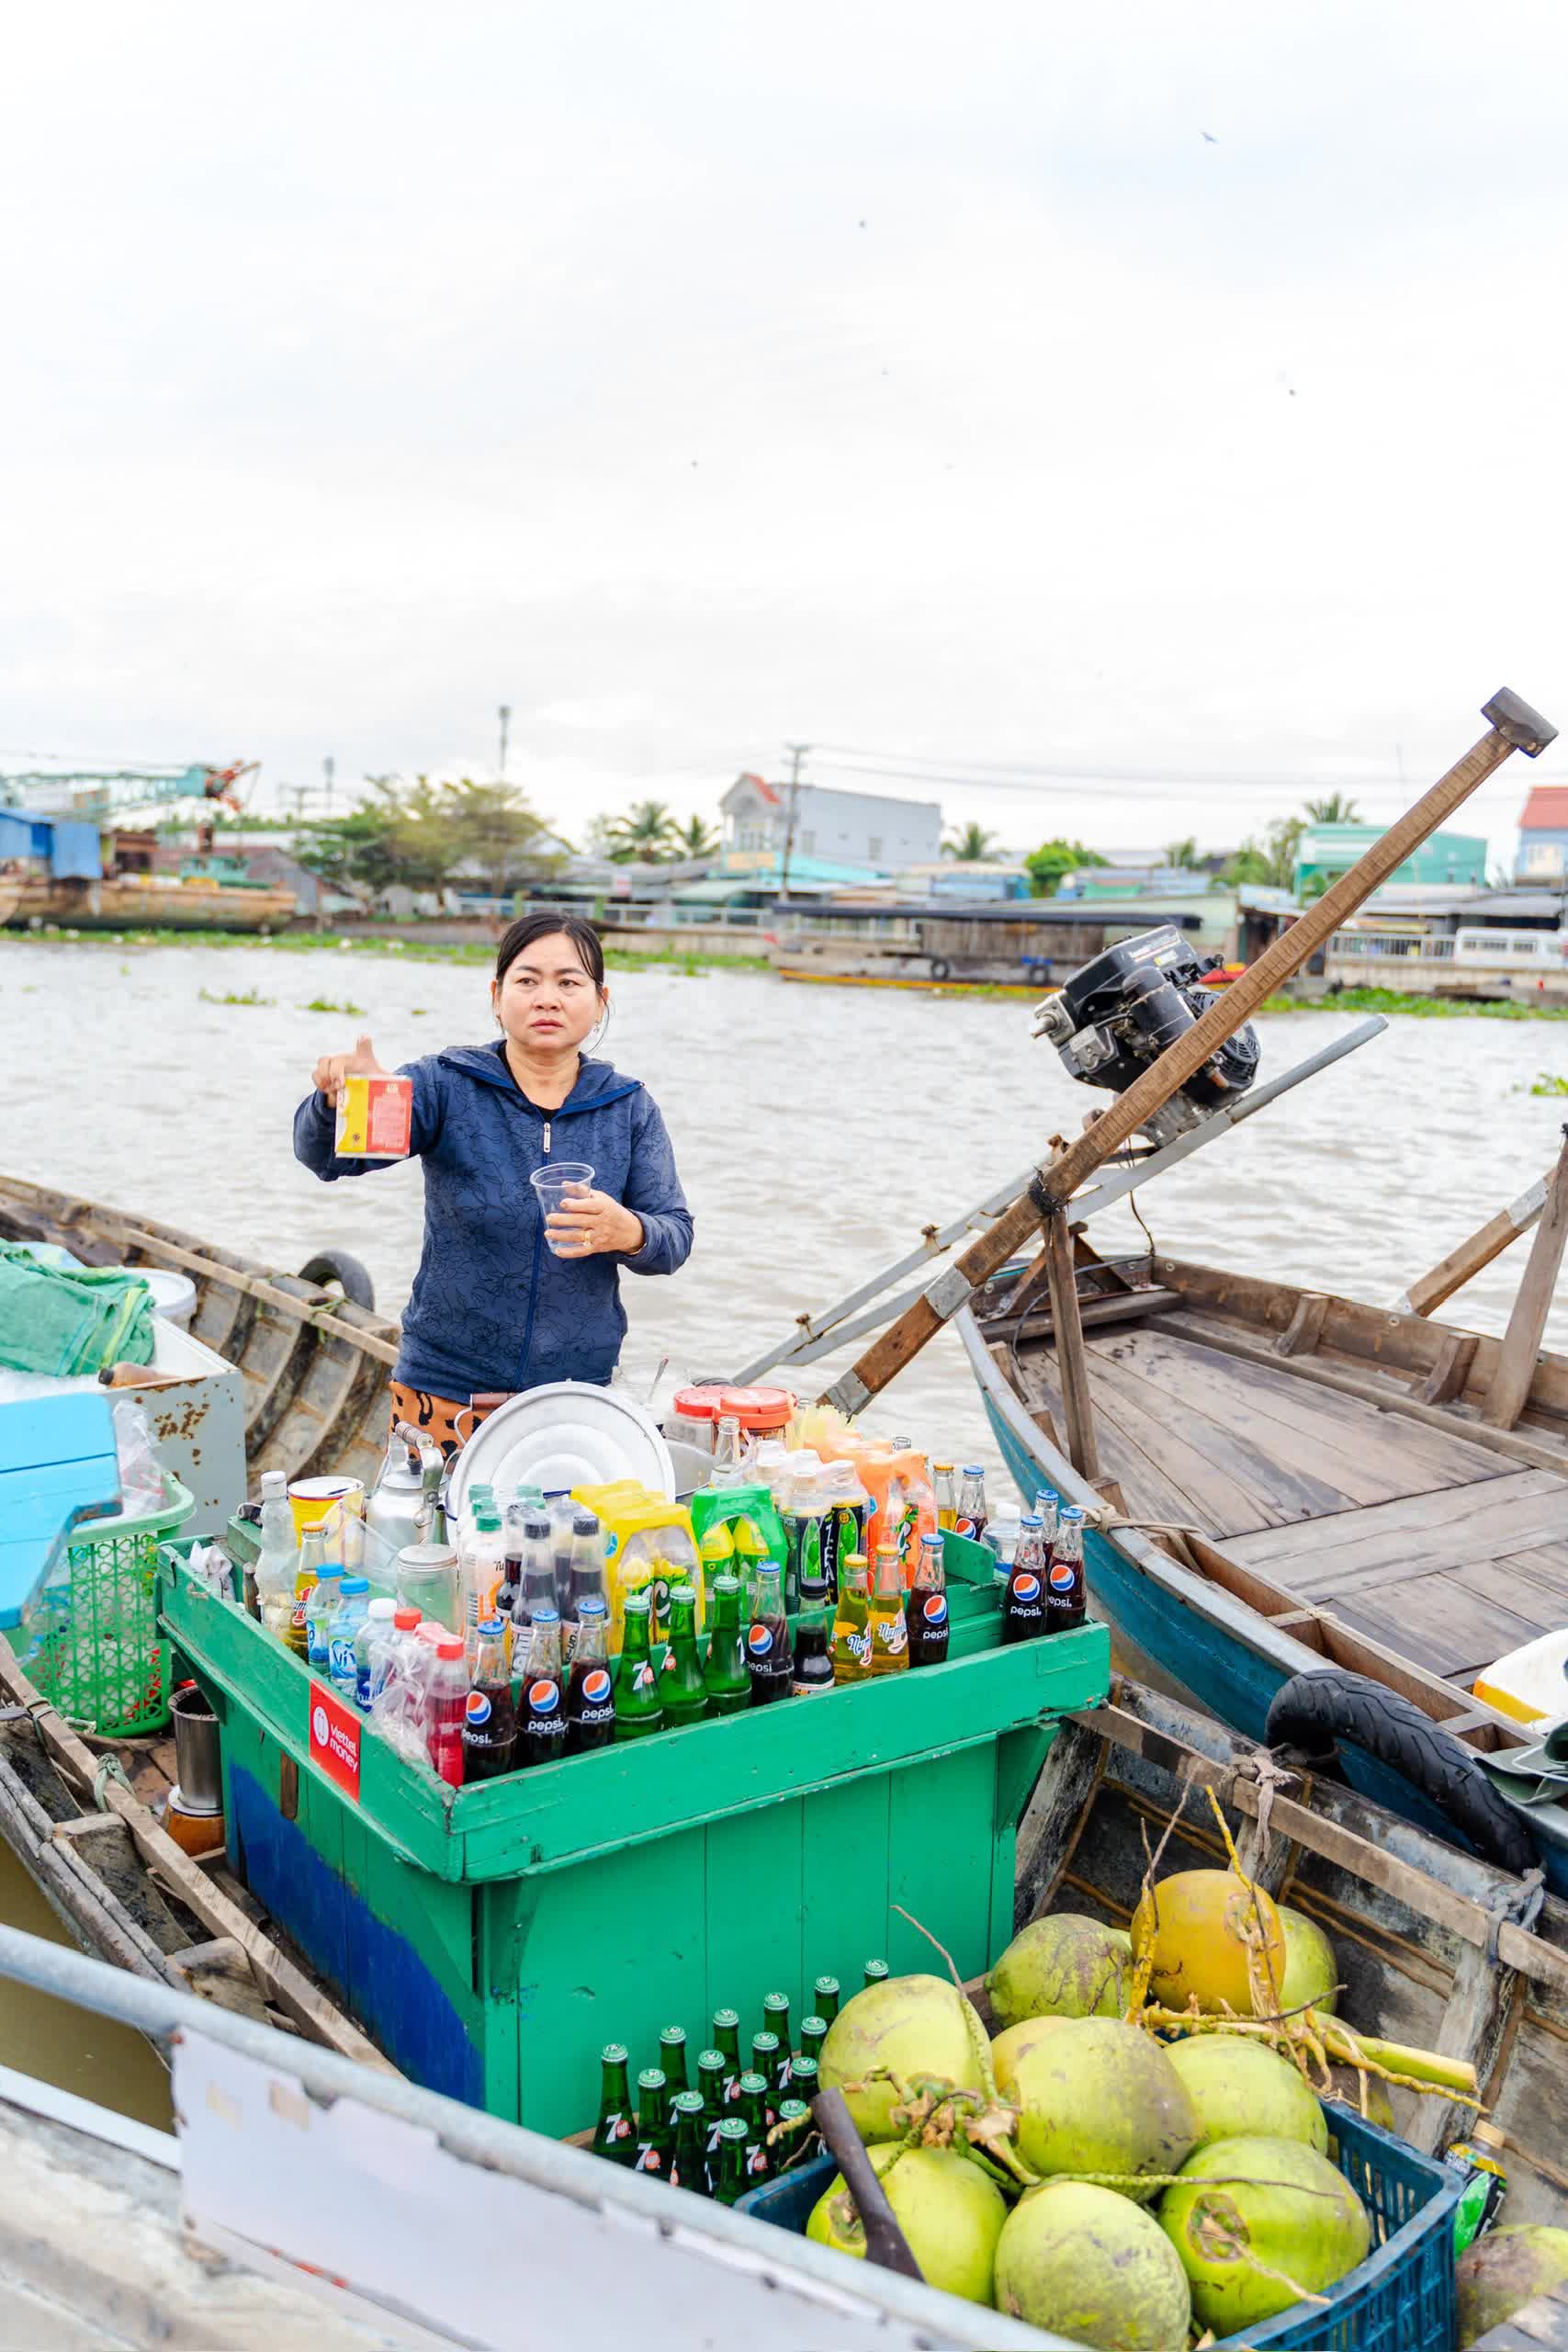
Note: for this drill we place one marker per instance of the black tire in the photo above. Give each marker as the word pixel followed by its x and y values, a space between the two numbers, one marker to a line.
pixel 940 969
pixel 329 1266
pixel 1313 1712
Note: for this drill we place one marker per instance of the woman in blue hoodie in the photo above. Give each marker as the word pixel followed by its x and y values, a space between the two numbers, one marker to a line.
pixel 492 1309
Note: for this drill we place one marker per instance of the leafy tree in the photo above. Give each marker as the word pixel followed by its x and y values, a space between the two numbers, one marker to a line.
pixel 1248 865
pixel 1335 808
pixel 1047 864
pixel 1181 853
pixel 971 844
pixel 415 835
pixel 696 838
pixel 1282 841
pixel 491 826
pixel 647 831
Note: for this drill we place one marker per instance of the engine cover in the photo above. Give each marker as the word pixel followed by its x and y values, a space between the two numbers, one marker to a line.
pixel 1125 1007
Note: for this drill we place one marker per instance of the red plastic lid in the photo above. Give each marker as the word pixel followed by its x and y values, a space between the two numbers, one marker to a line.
pixel 698 1404
pixel 451 1648
pixel 757 1408
pixel 405 1620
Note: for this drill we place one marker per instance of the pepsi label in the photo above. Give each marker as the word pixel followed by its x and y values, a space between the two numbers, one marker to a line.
pixel 595 1687
pixel 935 1608
pixel 1025 1587
pixel 1063 1576
pixel 479 1708
pixel 759 1642
pixel 543 1697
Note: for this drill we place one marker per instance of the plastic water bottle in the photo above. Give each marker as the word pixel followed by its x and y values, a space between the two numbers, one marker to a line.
pixel 352 1612
pixel 279 1554
pixel 320 1610
pixel 372 1651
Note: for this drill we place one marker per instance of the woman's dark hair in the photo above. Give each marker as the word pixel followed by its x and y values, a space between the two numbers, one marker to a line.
pixel 529 928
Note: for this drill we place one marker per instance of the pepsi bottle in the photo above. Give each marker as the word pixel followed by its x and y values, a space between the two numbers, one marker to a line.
pixel 489 1724
pixel 768 1660
pixel 541 1705
pixel 591 1692
pixel 1023 1601
pixel 925 1607
pixel 1065 1578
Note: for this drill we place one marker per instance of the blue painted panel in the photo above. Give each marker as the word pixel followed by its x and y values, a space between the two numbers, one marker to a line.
pixel 395 1995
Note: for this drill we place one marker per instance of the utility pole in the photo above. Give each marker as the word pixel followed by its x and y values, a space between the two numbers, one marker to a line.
pixel 505 714
pixel 329 770
pixel 796 754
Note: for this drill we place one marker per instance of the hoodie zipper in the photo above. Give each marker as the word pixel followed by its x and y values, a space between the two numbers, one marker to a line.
pixel 548 1118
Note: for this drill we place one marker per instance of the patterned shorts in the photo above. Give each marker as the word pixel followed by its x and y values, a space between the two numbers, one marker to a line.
pixel 449 1423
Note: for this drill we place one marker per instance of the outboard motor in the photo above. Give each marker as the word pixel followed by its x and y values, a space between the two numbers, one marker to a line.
pixel 1120 1012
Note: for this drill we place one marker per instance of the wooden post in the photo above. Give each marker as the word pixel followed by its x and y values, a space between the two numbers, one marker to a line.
pixel 1072 1359
pixel 1515 726
pixel 1488 1242
pixel 1521 1340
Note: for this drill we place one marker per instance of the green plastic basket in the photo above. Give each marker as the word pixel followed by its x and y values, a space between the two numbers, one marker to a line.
pixel 90 1640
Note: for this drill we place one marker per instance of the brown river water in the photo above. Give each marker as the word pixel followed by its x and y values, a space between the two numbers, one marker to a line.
pixel 817 1130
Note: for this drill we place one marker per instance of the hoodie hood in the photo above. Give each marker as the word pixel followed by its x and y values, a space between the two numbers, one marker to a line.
pixel 597 1082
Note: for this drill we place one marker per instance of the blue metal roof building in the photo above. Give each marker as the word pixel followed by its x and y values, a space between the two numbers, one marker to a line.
pixel 70 848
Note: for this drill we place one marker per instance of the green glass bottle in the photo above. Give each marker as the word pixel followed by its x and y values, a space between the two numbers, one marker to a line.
pixel 754 2107
pixel 673 2062
pixel 655 2142
pixel 765 2052
pixel 725 1677
pixel 813 2034
pixel 727 2041
pixel 614 2134
pixel 796 2134
pixel 711 2071
pixel 729 2181
pixel 682 1686
pixel 876 1971
pixel 689 2165
pixel 639 1709
pixel 776 2016
pixel 804 2082
pixel 825 1999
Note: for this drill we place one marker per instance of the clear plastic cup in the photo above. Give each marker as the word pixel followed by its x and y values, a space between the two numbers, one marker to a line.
pixel 555 1183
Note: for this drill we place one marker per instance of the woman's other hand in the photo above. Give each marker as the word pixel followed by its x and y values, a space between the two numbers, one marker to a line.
pixel 590 1225
pixel 332 1068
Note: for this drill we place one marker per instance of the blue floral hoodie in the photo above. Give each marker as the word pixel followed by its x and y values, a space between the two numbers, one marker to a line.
pixel 491 1308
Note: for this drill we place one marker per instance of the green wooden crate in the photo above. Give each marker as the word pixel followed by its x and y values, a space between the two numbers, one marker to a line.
pixel 493 1938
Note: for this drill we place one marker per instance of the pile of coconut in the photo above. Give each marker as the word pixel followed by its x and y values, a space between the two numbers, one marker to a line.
pixel 1142 2153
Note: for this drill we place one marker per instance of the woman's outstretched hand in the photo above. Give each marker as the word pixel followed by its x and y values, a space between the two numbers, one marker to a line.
pixel 332 1068
pixel 590 1225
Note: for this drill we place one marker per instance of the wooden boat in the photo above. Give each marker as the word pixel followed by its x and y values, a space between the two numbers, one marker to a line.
pixel 314 1354
pixel 1341 1506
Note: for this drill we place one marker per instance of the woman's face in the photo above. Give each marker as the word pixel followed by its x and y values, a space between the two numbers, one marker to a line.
pixel 546 1002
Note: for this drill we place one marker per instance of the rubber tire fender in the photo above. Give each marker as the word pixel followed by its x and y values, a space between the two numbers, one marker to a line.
pixel 341 1267
pixel 940 969
pixel 1313 1712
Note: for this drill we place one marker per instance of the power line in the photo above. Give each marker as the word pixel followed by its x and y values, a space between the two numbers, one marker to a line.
pixel 977 777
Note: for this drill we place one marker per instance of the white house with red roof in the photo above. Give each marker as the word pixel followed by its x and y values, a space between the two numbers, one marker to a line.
pixel 856 829
pixel 1543 835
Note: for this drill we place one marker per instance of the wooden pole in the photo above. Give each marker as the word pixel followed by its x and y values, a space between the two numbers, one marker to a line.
pixel 1072 1359
pixel 1521 1341
pixel 1515 726
pixel 1488 1242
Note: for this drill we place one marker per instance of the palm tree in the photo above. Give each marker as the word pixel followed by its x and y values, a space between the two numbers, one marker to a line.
pixel 1182 854
pixel 646 831
pixel 696 838
pixel 1335 808
pixel 971 844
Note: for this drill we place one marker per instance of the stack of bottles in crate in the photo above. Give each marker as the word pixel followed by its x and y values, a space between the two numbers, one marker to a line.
pixel 558 1623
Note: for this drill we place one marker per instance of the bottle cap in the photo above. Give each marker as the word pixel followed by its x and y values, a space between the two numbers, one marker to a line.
pixel 353 1586
pixel 683 1592
pixel 733 2129
pixel 537 1527
pixel 382 1610
pixel 934 1540
pixel 651 2079
pixel 1488 2135
pixel 590 1606
pixel 543 1615
pixel 613 2054
pixel 635 1604
pixel 491 1628
pixel 1030 1518
pixel 275 1486
pixel 585 1523
pixel 689 2102
pixel 449 1647
pixel 405 1620
pixel 1072 1510
pixel 973 1469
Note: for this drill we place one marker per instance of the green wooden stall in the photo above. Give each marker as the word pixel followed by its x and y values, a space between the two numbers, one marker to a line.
pixel 492 1938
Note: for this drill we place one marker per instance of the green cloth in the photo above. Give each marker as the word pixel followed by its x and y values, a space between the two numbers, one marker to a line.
pixel 67 1319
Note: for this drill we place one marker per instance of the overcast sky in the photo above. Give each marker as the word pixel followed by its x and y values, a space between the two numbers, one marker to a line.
pixel 916 382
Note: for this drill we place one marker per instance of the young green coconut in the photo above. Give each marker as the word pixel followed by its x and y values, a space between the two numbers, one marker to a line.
pixel 1241 2089
pixel 1259 2224
pixel 1066 1966
pixel 1210 1937
pixel 912 2030
pixel 1098 2097
pixel 1085 2263
pixel 1503 2271
pixel 951 2214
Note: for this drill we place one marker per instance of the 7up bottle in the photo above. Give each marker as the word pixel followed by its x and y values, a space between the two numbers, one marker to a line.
pixel 639 1710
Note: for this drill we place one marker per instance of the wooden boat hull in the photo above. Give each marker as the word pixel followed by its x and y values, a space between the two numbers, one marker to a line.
pixel 1187 1633
pixel 138 903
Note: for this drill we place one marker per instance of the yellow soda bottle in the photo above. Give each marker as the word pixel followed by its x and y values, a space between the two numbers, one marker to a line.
pixel 851 1621
pixel 887 1626
pixel 717 1554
